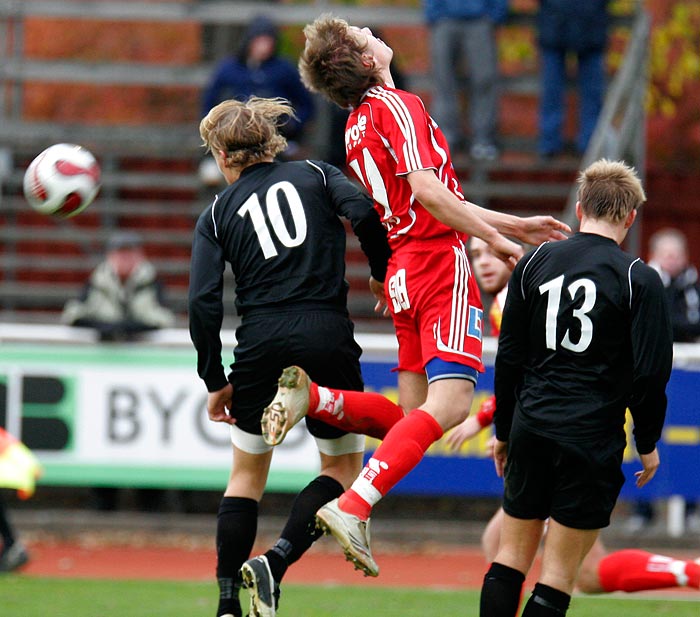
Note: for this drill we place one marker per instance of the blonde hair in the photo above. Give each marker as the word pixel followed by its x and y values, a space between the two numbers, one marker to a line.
pixel 610 190
pixel 247 132
pixel 332 62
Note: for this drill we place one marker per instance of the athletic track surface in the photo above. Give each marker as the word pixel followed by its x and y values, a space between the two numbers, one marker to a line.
pixel 460 568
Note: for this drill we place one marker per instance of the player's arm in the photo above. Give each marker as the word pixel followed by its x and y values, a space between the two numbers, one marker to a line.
pixel 511 355
pixel 531 230
pixel 206 309
pixel 447 208
pixel 473 425
pixel 353 204
pixel 652 356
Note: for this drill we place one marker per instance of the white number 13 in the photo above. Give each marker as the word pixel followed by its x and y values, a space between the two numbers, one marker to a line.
pixel 553 290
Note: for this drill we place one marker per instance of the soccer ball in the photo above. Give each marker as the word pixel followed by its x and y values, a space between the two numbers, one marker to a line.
pixel 62 181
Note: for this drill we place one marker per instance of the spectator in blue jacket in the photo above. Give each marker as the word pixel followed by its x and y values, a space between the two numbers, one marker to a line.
pixel 463 39
pixel 581 28
pixel 257 69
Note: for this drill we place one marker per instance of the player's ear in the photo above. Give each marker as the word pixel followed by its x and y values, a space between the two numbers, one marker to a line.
pixel 579 211
pixel 630 218
pixel 367 59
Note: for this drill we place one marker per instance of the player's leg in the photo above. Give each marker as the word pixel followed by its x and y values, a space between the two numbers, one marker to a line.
pixel 564 550
pixel 445 45
pixel 587 479
pixel 402 449
pixel 482 57
pixel 528 480
pixel 405 444
pixel 551 111
pixel 366 413
pixel 588 580
pixel 636 570
pixel 329 387
pixel 341 459
pixel 503 582
pixel 237 520
pixel 591 89
pixel 491 536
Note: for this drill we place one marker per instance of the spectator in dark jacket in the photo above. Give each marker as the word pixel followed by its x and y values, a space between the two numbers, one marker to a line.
pixel 258 70
pixel 581 28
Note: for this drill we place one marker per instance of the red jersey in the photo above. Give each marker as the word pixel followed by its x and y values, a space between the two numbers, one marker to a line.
pixel 389 135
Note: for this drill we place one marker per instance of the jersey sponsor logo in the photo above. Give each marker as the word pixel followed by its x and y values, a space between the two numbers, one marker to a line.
pixel 398 291
pixel 355 133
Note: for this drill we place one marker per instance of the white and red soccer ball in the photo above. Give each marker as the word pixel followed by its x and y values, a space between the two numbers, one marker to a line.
pixel 62 181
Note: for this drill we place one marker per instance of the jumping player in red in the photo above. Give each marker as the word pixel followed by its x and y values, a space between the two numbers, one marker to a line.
pixel 400 155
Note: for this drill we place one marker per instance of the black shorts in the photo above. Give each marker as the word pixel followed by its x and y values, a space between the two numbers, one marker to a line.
pixel 320 341
pixel 576 484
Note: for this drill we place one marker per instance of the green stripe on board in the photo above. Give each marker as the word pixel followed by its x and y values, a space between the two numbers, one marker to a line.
pixel 101 353
pixel 57 474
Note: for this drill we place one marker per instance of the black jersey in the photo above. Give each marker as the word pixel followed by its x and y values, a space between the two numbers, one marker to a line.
pixel 585 334
pixel 278 227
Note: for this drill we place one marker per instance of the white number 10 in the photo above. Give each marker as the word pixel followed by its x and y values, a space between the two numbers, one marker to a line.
pixel 553 290
pixel 253 207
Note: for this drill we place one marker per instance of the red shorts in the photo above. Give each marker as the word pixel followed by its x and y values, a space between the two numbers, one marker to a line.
pixel 436 305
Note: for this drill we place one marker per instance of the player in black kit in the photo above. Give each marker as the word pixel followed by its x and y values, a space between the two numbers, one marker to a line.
pixel 585 334
pixel 277 224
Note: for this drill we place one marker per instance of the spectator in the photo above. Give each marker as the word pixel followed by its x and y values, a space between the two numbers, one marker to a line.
pixel 123 297
pixel 257 69
pixel 463 36
pixel 668 255
pixel 581 28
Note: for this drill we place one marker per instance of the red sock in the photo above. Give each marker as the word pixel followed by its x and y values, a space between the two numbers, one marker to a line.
pixel 402 449
pixel 635 570
pixel 351 502
pixel 366 413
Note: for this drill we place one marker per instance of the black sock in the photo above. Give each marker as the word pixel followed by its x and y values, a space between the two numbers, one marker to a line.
pixel 500 593
pixel 236 526
pixel 300 531
pixel 546 601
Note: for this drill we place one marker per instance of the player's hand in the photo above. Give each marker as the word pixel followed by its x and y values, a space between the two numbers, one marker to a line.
pixel 500 454
pixel 377 290
pixel 462 432
pixel 538 229
pixel 650 463
pixel 506 250
pixel 218 404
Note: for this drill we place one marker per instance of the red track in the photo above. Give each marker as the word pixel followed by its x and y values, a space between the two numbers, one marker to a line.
pixel 456 569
